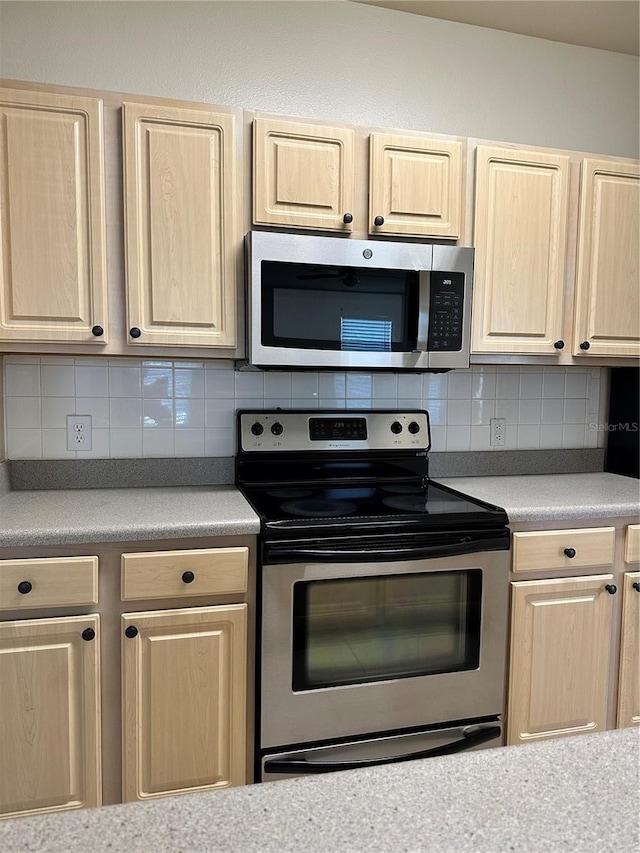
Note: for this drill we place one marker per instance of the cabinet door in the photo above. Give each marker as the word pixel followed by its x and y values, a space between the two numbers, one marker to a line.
pixel 415 185
pixel 607 310
pixel 629 683
pixel 184 695
pixel 520 239
pixel 181 225
pixel 49 715
pixel 560 644
pixel 52 221
pixel 303 175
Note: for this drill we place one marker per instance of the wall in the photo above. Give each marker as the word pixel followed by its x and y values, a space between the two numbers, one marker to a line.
pixel 336 60
pixel 186 408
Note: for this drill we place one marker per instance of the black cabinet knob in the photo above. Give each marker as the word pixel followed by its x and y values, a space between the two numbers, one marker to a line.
pixel 24 587
pixel 559 345
pixel 636 586
pixel 131 631
pixel 135 332
pixel 98 331
pixel 379 220
pixel 277 428
pixel 88 634
pixel 347 218
pixel 585 345
pixel 570 553
pixel 611 588
pixel 188 577
pixel 396 427
pixel 414 427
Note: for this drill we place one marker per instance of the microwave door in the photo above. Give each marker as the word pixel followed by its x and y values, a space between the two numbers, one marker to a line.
pixel 424 296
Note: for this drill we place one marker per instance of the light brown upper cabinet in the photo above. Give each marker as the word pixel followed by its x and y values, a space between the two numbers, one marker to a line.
pixel 607 306
pixel 52 219
pixel 521 203
pixel 314 176
pixel 183 238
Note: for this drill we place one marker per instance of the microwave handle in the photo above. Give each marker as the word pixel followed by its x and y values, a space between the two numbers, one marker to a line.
pixel 424 297
pixel 471 737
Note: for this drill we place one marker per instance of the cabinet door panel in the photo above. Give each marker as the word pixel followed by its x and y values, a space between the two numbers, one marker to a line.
pixel 560 644
pixel 184 701
pixel 52 237
pixel 520 239
pixel 181 225
pixel 629 683
pixel 49 715
pixel 416 185
pixel 303 175
pixel 607 292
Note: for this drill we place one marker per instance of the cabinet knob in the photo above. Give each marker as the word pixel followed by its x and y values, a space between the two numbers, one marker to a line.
pixel 88 634
pixel 636 586
pixel 585 345
pixel 379 220
pixel 188 577
pixel 559 345
pixel 611 588
pixel 131 631
pixel 24 587
pixel 135 332
pixel 570 553
pixel 98 331
pixel 347 218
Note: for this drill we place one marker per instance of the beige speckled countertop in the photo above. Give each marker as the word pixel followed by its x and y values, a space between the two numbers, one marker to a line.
pixel 577 794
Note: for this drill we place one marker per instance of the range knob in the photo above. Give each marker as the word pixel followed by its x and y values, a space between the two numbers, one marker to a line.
pixel 396 427
pixel 414 427
pixel 257 428
pixel 277 428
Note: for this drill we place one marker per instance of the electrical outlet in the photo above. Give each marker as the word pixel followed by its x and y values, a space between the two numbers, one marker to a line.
pixel 78 432
pixel 498 431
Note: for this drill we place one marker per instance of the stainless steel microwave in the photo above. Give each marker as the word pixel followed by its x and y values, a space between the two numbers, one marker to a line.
pixel 340 304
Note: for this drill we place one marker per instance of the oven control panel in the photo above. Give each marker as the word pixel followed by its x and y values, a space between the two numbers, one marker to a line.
pixel 296 430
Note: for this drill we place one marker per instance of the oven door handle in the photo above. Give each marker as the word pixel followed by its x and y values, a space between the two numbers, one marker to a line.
pixel 474 736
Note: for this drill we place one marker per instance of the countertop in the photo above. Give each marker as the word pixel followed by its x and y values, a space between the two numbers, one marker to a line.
pixel 123 515
pixel 572 794
pixel 554 497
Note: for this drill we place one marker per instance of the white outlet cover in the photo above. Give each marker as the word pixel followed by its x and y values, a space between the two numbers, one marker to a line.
pixel 78 432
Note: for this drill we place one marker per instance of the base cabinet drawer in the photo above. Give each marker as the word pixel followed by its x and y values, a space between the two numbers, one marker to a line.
pixel 184 700
pixel 632 544
pixel 542 550
pixel 48 582
pixel 49 715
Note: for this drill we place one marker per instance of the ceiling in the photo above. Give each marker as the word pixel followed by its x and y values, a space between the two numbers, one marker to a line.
pixel 605 24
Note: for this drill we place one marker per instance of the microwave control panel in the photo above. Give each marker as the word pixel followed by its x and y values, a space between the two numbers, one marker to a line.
pixel 445 311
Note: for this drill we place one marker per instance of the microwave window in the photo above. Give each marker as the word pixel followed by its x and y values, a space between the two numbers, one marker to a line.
pixel 359 630
pixel 305 306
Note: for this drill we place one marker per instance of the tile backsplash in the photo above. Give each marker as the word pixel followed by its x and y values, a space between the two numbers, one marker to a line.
pixel 150 407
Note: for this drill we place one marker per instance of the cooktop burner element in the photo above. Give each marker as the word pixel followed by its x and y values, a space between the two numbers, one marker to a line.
pixel 402 489
pixel 319 508
pixel 289 493
pixel 410 503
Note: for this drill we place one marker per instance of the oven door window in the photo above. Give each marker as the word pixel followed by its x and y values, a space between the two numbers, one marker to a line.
pixel 359 630
pixel 306 306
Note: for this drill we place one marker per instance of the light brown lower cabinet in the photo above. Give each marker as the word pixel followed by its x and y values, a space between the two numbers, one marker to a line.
pixel 49 715
pixel 629 680
pixel 561 634
pixel 184 700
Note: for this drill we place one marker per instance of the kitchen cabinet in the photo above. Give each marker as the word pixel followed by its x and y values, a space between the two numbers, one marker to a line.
pixel 607 300
pixel 184 700
pixel 182 224
pixel 520 237
pixel 52 222
pixel 629 676
pixel 314 176
pixel 49 715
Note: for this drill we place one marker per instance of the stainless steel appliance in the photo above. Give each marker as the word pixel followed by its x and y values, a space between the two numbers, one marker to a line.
pixel 383 595
pixel 327 302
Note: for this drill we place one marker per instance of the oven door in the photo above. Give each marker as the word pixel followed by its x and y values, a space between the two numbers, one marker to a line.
pixel 353 648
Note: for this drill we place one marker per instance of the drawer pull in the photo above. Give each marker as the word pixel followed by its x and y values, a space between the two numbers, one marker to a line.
pixel 24 587
pixel 570 552
pixel 636 586
pixel 88 634
pixel 188 577
pixel 131 631
pixel 611 588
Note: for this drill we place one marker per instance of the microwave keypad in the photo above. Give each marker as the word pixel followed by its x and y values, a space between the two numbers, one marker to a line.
pixel 445 311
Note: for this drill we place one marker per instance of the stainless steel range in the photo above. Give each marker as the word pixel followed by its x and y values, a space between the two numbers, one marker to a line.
pixel 384 596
